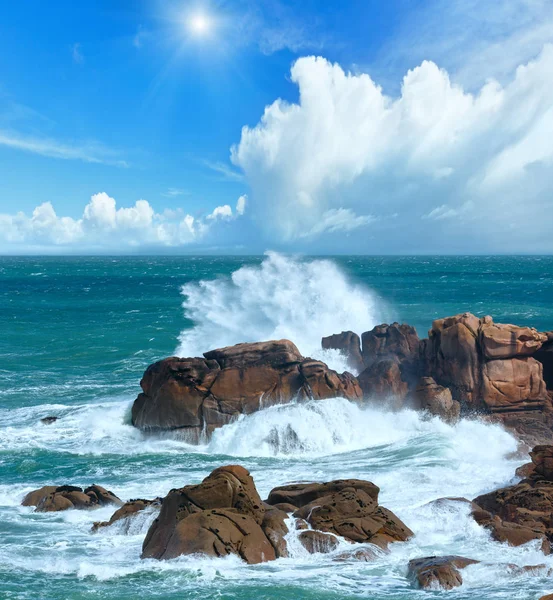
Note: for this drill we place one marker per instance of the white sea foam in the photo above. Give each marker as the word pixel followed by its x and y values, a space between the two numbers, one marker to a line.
pixel 283 298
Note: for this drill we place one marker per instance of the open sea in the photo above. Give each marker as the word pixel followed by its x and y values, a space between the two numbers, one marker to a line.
pixel 76 334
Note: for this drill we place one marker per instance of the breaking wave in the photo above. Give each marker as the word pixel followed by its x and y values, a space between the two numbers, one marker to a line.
pixel 283 297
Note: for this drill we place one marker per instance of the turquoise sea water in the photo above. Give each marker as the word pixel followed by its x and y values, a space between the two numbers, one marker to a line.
pixel 76 336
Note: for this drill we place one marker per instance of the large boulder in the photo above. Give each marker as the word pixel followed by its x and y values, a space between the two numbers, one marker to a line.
pixel 383 381
pixel 348 508
pixel 349 344
pixel 222 515
pixel 520 513
pixel 438 572
pixel 197 395
pixel 56 498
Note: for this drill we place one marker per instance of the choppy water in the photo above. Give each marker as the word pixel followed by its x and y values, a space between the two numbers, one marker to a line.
pixel 77 334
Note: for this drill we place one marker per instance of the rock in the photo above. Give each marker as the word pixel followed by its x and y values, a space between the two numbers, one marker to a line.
pixel 317 542
pixel 197 395
pixel 366 554
pixel 33 498
pixel 48 420
pixel 389 341
pixel 547 597
pixel 300 494
pixel 222 515
pixel 55 498
pixel 349 344
pixel 129 509
pixel 437 400
pixel 275 528
pixel 522 512
pixel 525 471
pixel 383 380
pixel 348 508
pixel 499 341
pixel 542 459
pixel 439 572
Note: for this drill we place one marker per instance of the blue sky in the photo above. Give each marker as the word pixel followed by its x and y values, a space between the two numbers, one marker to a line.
pixel 402 126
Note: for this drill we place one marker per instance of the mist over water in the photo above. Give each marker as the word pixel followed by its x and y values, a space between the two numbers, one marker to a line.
pixel 79 355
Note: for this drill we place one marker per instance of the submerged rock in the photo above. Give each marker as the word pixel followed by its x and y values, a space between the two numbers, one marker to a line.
pixel 439 572
pixel 52 498
pixel 49 420
pixel 317 542
pixel 129 509
pixel 197 395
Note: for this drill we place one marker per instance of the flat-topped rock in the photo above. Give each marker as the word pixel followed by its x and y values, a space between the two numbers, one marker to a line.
pixel 197 395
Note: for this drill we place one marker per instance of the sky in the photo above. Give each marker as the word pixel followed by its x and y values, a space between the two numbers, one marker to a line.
pixel 312 126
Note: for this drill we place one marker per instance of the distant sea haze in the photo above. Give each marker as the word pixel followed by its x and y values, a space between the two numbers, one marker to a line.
pixel 77 334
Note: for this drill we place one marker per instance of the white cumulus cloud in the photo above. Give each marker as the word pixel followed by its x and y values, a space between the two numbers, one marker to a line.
pixel 346 156
pixel 104 226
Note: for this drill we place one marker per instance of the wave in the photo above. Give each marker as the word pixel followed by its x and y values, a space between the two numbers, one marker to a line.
pixel 283 297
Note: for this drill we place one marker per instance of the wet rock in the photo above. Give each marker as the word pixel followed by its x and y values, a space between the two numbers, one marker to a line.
pixel 129 509
pixel 367 554
pixel 56 498
pixel 48 420
pixel 197 395
pixel 439 572
pixel 393 341
pixel 520 513
pixel 317 542
pixel 383 380
pixel 525 471
pixel 437 400
pixel 349 344
pixel 275 528
pixel 348 508
pixel 547 597
pixel 222 515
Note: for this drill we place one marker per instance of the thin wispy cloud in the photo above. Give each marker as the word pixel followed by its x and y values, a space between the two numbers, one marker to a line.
pixel 174 193
pixel 90 153
pixel 226 172
pixel 77 54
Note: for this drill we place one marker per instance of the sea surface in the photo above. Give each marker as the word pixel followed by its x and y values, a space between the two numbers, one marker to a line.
pixel 76 335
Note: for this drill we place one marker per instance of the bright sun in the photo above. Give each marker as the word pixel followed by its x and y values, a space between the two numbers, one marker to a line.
pixel 199 24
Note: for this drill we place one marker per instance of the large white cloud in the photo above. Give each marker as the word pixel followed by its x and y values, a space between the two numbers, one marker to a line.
pixel 473 164
pixel 104 226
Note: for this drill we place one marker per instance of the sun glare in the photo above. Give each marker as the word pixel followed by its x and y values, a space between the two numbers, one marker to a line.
pixel 199 24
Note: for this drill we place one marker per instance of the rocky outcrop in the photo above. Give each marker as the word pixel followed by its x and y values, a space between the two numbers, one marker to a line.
pixel 317 542
pixel 55 498
pixel 522 512
pixel 467 364
pixel 128 510
pixel 390 355
pixel 438 572
pixel 349 344
pixel 197 395
pixel 222 515
pixel 348 508
pixel 437 400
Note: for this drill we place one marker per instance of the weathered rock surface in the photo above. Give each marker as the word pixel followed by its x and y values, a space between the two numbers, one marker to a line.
pixel 317 542
pixel 438 572
pixel 383 382
pixel 349 344
pixel 55 498
pixel 198 395
pixel 437 400
pixel 129 509
pixel 395 341
pixel 348 508
pixel 522 512
pixel 222 515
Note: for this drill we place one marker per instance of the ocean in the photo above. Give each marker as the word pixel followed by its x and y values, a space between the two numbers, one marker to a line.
pixel 76 336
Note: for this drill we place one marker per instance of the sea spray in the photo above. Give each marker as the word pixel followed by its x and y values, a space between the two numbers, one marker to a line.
pixel 283 297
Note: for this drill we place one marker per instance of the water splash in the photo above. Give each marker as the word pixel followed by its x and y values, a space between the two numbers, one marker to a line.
pixel 283 297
